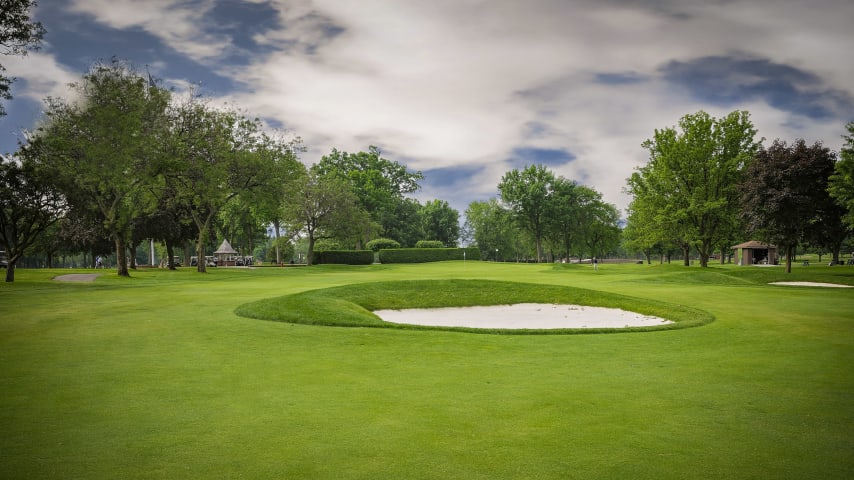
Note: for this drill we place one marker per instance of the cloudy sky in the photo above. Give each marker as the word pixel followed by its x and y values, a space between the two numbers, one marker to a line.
pixel 465 90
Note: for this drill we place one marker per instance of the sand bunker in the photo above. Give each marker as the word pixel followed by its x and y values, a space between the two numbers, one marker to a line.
pixel 522 315
pixel 811 284
pixel 77 277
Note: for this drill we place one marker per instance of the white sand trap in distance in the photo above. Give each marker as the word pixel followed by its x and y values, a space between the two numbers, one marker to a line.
pixel 522 316
pixel 811 284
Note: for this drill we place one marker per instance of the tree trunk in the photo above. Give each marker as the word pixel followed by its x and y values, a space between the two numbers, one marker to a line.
pixel 170 254
pixel 790 253
pixel 121 256
pixel 309 255
pixel 201 263
pixel 10 268
pixel 686 255
pixel 278 253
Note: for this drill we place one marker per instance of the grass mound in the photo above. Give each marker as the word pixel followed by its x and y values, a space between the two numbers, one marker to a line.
pixel 352 305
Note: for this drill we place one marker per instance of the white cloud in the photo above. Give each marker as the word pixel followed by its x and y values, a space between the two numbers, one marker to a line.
pixel 459 83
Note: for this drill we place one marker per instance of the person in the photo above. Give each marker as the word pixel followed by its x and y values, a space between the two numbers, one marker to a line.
pixel 595 263
pixel 98 262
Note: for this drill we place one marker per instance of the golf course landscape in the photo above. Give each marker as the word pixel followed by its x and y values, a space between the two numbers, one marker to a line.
pixel 284 373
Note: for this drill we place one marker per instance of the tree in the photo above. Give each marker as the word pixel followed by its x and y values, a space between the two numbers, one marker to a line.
pixel 841 186
pixel 563 222
pixel 322 205
pixel 17 34
pixel 528 195
pixel 220 154
pixel 692 177
pixel 103 147
pixel 491 228
pixel 440 222
pixel 378 184
pixel 781 191
pixel 29 205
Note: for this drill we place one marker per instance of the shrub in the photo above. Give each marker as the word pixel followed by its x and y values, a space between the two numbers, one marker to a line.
pixel 429 244
pixel 378 244
pixel 346 257
pixel 424 255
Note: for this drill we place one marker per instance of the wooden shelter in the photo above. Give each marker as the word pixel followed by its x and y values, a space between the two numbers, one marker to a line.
pixel 225 254
pixel 755 253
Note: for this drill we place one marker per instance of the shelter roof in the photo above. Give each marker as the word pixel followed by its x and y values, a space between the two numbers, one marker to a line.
pixel 754 244
pixel 225 248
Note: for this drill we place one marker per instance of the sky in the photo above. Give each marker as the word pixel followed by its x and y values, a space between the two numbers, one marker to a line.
pixel 467 90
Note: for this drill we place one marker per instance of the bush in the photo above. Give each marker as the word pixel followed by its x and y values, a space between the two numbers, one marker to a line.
pixel 425 255
pixel 429 244
pixel 346 257
pixel 378 244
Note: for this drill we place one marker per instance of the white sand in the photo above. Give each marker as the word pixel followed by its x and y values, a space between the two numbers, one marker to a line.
pixel 522 315
pixel 77 277
pixel 811 284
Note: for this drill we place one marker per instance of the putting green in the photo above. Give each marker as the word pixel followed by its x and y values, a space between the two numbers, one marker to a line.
pixel 353 305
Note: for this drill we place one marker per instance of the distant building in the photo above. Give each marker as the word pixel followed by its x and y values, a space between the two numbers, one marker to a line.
pixel 755 253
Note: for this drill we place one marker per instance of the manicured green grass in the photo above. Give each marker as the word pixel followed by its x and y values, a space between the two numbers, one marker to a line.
pixel 157 377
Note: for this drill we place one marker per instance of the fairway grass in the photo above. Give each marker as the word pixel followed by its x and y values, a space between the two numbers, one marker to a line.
pixel 156 376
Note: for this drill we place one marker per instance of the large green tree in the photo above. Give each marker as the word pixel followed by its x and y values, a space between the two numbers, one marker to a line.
pixel 379 184
pixel 215 155
pixel 841 185
pixel 29 205
pixel 491 227
pixel 528 193
pixel 322 206
pixel 103 147
pixel 18 33
pixel 782 192
pixel 440 222
pixel 690 181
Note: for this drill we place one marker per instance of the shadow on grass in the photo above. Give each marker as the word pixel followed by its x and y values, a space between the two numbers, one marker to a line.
pixel 352 305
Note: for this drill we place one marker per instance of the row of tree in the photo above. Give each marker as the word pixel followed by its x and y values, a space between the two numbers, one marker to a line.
pixel 710 184
pixel 127 160
pixel 544 217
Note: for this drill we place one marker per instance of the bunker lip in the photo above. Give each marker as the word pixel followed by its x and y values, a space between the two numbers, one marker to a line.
pixel 522 316
pixel 811 284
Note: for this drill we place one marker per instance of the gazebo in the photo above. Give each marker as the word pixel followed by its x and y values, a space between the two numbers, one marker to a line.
pixel 225 254
pixel 755 253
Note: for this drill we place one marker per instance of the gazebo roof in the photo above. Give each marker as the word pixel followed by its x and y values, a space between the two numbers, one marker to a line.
pixel 225 248
pixel 754 244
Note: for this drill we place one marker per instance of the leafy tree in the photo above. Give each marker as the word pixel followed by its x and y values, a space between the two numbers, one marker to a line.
pixel 490 226
pixel 692 177
pixel 601 225
pixel 378 184
pixel 562 225
pixel 440 222
pixel 218 155
pixel 103 147
pixel 17 34
pixel 781 191
pixel 29 205
pixel 528 194
pixel 322 205
pixel 841 185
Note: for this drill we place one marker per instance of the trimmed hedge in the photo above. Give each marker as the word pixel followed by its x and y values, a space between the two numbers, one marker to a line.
pixel 346 257
pixel 425 255
pixel 378 244
pixel 429 244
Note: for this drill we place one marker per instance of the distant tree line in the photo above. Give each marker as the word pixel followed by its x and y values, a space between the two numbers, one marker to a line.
pixel 710 184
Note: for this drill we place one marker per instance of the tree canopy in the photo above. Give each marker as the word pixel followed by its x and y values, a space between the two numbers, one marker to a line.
pixel 689 186
pixel 781 191
pixel 17 34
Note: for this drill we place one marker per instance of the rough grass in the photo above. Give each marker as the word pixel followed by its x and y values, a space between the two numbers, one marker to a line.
pixel 156 377
pixel 352 305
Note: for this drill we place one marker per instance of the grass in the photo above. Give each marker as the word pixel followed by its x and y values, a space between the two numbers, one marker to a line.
pixel 157 377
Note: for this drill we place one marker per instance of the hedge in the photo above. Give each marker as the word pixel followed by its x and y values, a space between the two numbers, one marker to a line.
pixel 429 244
pixel 425 255
pixel 346 257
